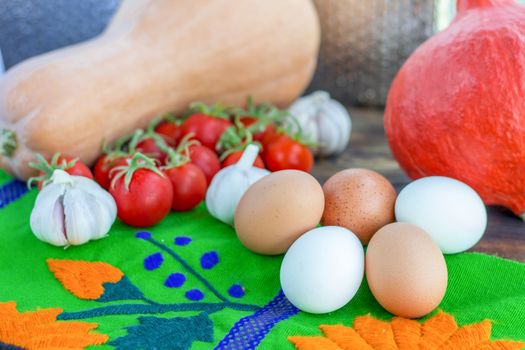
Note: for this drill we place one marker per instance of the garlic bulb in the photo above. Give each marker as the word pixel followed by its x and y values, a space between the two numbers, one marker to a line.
pixel 230 183
pixel 72 210
pixel 323 121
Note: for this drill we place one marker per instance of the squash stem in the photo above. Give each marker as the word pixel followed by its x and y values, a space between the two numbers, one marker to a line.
pixel 8 142
pixel 522 216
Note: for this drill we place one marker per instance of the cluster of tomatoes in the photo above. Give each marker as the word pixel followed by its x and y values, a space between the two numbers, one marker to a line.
pixel 170 165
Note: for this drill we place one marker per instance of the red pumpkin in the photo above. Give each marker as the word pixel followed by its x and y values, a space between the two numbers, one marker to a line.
pixel 457 106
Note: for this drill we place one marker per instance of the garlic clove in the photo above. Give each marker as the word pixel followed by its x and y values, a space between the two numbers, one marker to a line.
pixel 230 183
pixel 107 209
pixel 81 222
pixel 72 210
pixel 323 120
pixel 334 128
pixel 47 219
pixel 88 214
pixel 241 181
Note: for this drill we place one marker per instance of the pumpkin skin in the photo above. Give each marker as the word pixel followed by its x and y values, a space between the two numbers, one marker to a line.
pixel 457 106
pixel 156 56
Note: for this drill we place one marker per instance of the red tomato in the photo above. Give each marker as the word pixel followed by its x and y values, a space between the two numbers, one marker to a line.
pixel 102 169
pixel 284 153
pixel 77 169
pixel 206 159
pixel 171 132
pixel 268 135
pixel 189 186
pixel 269 129
pixel 206 129
pixel 248 121
pixel 235 156
pixel 149 147
pixel 146 201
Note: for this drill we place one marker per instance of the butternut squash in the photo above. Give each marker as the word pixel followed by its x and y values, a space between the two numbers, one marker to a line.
pixel 155 56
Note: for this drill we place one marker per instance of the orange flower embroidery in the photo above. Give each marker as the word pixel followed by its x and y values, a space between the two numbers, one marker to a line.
pixel 438 332
pixel 83 278
pixel 40 330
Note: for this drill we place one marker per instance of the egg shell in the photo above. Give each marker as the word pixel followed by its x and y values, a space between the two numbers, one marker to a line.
pixel 323 269
pixel 360 200
pixel 447 209
pixel 405 270
pixel 277 209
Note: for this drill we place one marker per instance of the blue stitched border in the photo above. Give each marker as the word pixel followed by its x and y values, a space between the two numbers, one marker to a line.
pixel 11 191
pixel 249 331
pixel 4 346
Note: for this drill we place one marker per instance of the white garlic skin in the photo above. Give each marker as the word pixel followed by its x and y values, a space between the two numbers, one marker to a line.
pixel 324 121
pixel 230 183
pixel 72 210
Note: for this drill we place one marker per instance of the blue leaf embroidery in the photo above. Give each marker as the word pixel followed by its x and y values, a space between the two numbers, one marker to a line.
pixel 182 240
pixel 236 291
pixel 209 260
pixel 153 261
pixel 175 280
pixel 194 294
pixel 143 235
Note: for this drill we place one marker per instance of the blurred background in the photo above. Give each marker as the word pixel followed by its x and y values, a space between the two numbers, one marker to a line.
pixel 363 42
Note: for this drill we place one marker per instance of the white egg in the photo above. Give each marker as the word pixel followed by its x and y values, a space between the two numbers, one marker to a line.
pixel 449 210
pixel 323 269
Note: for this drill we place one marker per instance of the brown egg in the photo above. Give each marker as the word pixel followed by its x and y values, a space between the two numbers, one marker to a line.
pixel 360 200
pixel 277 209
pixel 405 270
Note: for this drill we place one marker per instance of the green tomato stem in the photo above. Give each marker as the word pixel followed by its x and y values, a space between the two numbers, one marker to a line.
pixel 48 168
pixel 215 110
pixel 139 161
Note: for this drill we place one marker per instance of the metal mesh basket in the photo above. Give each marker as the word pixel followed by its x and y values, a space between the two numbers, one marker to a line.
pixel 364 43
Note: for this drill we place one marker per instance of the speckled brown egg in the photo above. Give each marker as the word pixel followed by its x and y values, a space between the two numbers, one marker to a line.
pixel 405 270
pixel 277 209
pixel 360 200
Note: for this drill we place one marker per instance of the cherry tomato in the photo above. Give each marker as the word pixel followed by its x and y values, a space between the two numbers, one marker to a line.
pixel 189 186
pixel 206 129
pixel 102 169
pixel 269 135
pixel 149 147
pixel 269 129
pixel 285 153
pixel 206 159
pixel 171 132
pixel 248 121
pixel 77 169
pixel 147 199
pixel 235 156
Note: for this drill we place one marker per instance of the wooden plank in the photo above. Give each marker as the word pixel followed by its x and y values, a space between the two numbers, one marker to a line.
pixel 368 148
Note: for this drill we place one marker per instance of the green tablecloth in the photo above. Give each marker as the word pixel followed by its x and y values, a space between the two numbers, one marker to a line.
pixel 189 283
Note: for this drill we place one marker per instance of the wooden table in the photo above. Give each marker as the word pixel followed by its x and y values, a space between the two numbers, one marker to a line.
pixel 368 148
